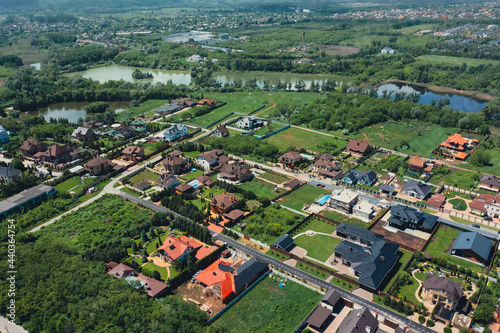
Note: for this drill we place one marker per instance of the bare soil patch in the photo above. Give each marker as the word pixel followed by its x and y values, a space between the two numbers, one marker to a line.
pixel 339 49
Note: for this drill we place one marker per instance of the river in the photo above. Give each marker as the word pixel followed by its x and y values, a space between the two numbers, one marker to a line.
pixel 457 102
pixel 73 110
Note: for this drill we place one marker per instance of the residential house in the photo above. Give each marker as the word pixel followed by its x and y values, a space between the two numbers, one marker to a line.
pixel 4 135
pixel 125 132
pixel 207 101
pixel 206 181
pixel 121 270
pixel 83 134
pixel 436 201
pixel 183 188
pixel 133 153
pixel 324 310
pixel 8 174
pixel 416 190
pixel 359 321
pixel 456 142
pixel 166 181
pixel 176 165
pixel 416 164
pixel 442 292
pixel 367 178
pixel 221 131
pixel 143 185
pixel 235 215
pixel 325 166
pixel 284 243
pixel 368 256
pixel 169 109
pixel 211 160
pixel 250 123
pixel 139 126
pixel 25 199
pixel 55 154
pixel 403 217
pixel 291 184
pixel 387 189
pixel 227 282
pixel 176 153
pixel 175 132
pixel 185 102
pixel 473 246
pixel 364 209
pixel 343 200
pixel 32 146
pixel 388 50
pixel 153 287
pixel 178 248
pixel 291 159
pixel 194 58
pixel 224 203
pixel 235 172
pixel 357 148
pixel 490 183
pixel 97 166
pixel 487 205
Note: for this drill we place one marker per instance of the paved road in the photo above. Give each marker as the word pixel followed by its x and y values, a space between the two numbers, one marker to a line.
pixel 321 283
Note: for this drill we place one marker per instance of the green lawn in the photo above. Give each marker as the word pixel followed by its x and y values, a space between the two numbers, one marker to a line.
pixel 306 194
pixel 344 219
pixel 192 175
pixel 267 307
pixel 407 292
pixel 318 226
pixel 458 204
pixel 144 175
pixel 441 244
pixel 145 107
pixel 319 246
pixel 130 191
pixel 300 138
pixel 459 178
pixel 150 267
pixel 274 177
pixel 261 188
pixel 401 263
pixel 456 60
pixel 68 184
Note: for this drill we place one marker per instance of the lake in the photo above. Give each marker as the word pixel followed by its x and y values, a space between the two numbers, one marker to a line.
pixel 73 110
pixel 115 72
pixel 457 102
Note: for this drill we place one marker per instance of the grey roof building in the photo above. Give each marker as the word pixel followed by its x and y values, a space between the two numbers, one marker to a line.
pixel 403 217
pixel 417 190
pixel 472 245
pixel 359 321
pixel 365 178
pixel 284 242
pixel 27 198
pixel 9 174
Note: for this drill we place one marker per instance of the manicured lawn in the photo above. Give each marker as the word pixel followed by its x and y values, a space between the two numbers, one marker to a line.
pixel 130 191
pixel 344 219
pixel 441 244
pixel 318 226
pixel 150 267
pixel 68 184
pixel 296 137
pixel 459 178
pixel 145 107
pixel 274 177
pixel 261 188
pixel 144 175
pixel 306 194
pixel 267 307
pixel 319 246
pixel 458 204
pixel 190 176
pixel 407 292
pixel 456 60
pixel 86 181
pixel 401 263
pixel 150 147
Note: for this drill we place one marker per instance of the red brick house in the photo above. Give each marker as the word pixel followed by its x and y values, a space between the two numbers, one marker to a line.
pixel 224 203
pixel 32 146
pixel 291 159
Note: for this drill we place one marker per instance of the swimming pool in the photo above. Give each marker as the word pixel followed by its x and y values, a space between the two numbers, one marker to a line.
pixel 321 201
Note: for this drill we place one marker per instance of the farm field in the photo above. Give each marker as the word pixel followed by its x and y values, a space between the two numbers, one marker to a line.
pixel 457 61
pixel 257 311
pixel 145 107
pixel 319 246
pixel 306 194
pixel 297 137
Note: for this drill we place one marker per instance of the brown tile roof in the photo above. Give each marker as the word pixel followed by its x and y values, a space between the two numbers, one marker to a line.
pixel 417 161
pixel 56 150
pixel 224 200
pixel 292 155
pixel 235 214
pixel 211 155
pixel 453 290
pixel 175 153
pixel 121 270
pixel 437 200
pixel 477 204
pixel 133 150
pixel 183 188
pixel 292 183
pixel 96 162
pixel 358 146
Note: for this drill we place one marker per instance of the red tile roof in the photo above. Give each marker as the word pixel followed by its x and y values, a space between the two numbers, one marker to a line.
pixel 213 274
pixel 358 146
pixel 175 247
pixel 417 161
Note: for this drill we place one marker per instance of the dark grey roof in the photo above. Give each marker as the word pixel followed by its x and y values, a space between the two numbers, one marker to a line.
pixel 453 290
pixel 387 188
pixel 284 242
pixel 331 297
pixel 420 188
pixel 358 231
pixel 319 316
pixel 367 177
pixel 24 196
pixel 246 272
pixel 412 215
pixel 475 242
pixel 174 129
pixel 490 180
pixel 358 321
pixel 225 268
pixel 9 171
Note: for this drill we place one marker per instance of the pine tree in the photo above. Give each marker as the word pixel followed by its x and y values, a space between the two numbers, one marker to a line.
pixel 151 233
pixel 144 236
pixel 134 247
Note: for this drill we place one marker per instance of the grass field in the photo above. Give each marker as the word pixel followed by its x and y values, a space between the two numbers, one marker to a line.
pixel 458 204
pixel 68 184
pixel 318 226
pixel 306 194
pixel 144 175
pixel 493 167
pixel 401 263
pixel 25 51
pixel 456 60
pixel 459 178
pixel 441 244
pixel 416 28
pixel 319 246
pixel 422 138
pixel 344 219
pixel 260 188
pixel 296 137
pixel 407 292
pixel 267 307
pixel 274 177
pixel 192 175
pixel 145 107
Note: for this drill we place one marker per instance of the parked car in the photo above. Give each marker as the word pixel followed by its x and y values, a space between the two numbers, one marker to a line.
pixel 488 218
pixel 476 226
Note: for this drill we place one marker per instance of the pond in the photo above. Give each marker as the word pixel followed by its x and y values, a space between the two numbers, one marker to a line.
pixel 115 72
pixel 73 110
pixel 457 102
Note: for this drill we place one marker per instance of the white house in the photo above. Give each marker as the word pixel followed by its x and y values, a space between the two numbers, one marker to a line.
pixel 4 135
pixel 9 174
pixel 194 58
pixel 388 50
pixel 250 123
pixel 174 132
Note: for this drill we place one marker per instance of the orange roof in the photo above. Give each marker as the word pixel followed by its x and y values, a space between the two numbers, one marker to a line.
pixel 212 274
pixel 461 156
pixel 445 144
pixel 227 286
pixel 417 161
pixel 176 246
pixel 215 228
pixel 204 251
pixel 475 140
pixel 457 139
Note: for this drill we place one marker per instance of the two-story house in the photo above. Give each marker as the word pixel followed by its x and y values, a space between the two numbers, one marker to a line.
pixel 403 217
pixel 175 132
pixel 343 200
pixel 166 181
pixel 55 154
pixel 176 165
pixel 250 123
pixel 133 153
pixel 211 160
pixel 358 148
pixel 221 131
pixel 416 190
pixel 490 183
pixel 8 174
pixel 32 146
pixel 291 159
pixel 442 292
pixel 224 203
pixel 97 166
pixel 235 172
pixel 178 248
pixel 325 166
pixel 417 163
pixel 367 178
pixel 83 134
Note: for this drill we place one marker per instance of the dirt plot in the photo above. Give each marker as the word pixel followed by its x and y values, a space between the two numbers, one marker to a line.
pixel 339 49
pixel 398 237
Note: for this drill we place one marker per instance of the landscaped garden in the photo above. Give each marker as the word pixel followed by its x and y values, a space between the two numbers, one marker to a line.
pixel 458 204
pixel 344 218
pixel 305 195
pixel 403 260
pixel 258 310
